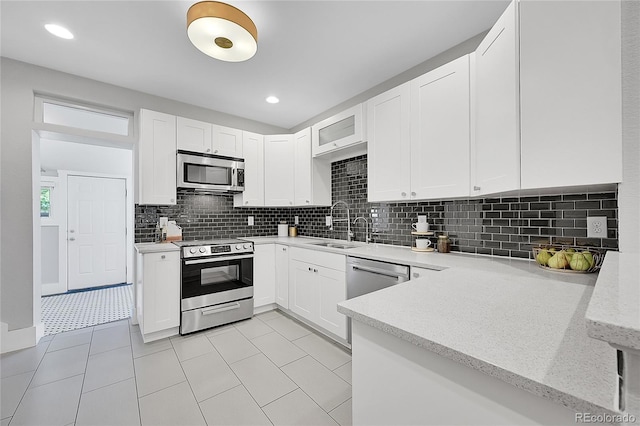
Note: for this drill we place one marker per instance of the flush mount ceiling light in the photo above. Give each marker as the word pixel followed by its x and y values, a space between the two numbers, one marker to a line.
pixel 272 99
pixel 222 31
pixel 59 31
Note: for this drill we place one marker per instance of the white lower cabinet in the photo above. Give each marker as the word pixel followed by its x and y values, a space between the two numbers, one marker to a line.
pixel 317 283
pixel 158 294
pixel 417 272
pixel 282 275
pixel 264 275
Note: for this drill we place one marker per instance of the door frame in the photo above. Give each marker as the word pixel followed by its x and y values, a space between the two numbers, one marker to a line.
pixel 129 213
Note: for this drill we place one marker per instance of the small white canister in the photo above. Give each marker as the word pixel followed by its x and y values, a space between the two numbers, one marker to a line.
pixel 283 230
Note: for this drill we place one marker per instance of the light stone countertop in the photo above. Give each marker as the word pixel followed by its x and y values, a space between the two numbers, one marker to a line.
pixel 508 318
pixel 155 247
pixel 613 314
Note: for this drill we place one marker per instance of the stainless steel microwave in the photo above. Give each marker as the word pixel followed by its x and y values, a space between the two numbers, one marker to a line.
pixel 210 173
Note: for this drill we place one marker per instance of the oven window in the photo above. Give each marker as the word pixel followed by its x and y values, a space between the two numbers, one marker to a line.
pixel 216 276
pixel 220 274
pixel 207 175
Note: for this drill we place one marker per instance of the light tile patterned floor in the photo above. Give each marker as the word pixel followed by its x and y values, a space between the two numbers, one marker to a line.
pixel 269 370
pixel 71 311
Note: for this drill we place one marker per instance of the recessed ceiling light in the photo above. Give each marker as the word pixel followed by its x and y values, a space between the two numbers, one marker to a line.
pixel 59 31
pixel 272 100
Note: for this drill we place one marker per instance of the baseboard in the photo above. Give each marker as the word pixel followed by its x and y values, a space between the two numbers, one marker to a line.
pixel 264 308
pixel 22 338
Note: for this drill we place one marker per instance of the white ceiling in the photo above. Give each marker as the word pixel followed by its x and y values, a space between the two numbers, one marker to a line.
pixel 313 55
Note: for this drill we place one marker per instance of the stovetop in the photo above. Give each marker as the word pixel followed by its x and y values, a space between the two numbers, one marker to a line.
pixel 212 242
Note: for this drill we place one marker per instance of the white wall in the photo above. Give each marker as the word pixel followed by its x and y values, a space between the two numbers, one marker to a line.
pixel 20 247
pixel 62 155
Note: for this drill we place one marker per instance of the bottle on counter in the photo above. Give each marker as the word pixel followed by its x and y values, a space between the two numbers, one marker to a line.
pixel 444 244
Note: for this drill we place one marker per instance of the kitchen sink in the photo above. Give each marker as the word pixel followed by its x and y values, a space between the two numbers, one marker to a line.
pixel 335 245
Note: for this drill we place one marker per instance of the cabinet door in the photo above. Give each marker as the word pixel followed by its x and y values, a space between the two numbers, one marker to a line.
pixel 389 145
pixel 421 272
pixel 253 194
pixel 495 153
pixel 157 158
pixel 264 277
pixel 227 141
pixel 338 132
pixel 194 135
pixel 161 291
pixel 278 170
pixel 570 104
pixel 439 127
pixel 302 190
pixel 333 290
pixel 303 296
pixel 282 275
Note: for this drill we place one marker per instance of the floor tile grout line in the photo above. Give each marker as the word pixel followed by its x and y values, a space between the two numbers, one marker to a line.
pixel 135 378
pixel 84 377
pixel 188 382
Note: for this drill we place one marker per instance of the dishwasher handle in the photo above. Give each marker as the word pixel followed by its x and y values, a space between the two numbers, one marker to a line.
pixel 380 272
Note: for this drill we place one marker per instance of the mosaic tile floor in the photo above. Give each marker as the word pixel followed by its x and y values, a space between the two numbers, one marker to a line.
pixel 71 311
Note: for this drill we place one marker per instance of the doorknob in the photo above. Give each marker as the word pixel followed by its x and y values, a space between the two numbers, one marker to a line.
pixel 72 231
pixel 72 239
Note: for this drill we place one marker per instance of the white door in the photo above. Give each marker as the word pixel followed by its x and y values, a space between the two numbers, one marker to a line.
pixel 96 232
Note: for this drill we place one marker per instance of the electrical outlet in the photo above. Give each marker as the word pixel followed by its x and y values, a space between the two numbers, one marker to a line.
pixel 250 220
pixel 295 220
pixel 597 227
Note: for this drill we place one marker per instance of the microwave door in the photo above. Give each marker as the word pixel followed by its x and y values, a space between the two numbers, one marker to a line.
pixel 208 175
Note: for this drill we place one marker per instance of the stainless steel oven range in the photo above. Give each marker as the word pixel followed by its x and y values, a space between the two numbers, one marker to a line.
pixel 216 283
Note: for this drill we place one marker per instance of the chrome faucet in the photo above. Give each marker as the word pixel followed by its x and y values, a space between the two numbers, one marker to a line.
pixel 366 229
pixel 348 219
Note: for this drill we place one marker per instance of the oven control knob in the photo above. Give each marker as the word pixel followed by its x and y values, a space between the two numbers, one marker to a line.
pixel 192 251
pixel 202 250
pixel 238 246
pixel 247 246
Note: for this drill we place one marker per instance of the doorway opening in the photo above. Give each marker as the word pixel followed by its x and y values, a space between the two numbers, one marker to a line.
pixel 86 216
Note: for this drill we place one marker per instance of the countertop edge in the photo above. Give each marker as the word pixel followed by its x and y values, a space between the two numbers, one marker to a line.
pixel 603 317
pixel 143 248
pixel 520 382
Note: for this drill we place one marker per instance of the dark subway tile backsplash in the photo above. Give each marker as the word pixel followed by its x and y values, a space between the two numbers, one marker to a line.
pixel 507 226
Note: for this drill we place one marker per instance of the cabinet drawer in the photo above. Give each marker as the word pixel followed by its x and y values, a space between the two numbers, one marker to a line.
pixel 320 258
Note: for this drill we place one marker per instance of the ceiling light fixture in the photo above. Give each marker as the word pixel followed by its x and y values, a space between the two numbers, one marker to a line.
pixel 59 31
pixel 272 99
pixel 222 31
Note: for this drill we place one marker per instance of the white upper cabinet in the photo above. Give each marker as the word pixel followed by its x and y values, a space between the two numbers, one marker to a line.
pixel 312 181
pixel 440 110
pixel 570 100
pixel 495 150
pixel 340 136
pixel 156 154
pixel 413 128
pixel 388 147
pixel 194 135
pixel 227 141
pixel 279 155
pixel 253 194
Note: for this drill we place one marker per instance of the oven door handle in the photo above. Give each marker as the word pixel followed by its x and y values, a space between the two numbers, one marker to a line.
pixel 221 308
pixel 216 259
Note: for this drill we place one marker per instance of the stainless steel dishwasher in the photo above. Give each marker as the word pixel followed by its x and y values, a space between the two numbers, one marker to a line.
pixel 365 276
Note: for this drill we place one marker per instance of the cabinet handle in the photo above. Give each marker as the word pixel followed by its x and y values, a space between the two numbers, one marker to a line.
pixel 315 270
pixel 307 201
pixel 215 151
pixel 72 231
pixel 335 144
pixel 309 269
pixel 284 249
pixel 416 275
pixel 72 239
pixel 290 202
pixel 246 202
pixel 163 256
pixel 413 194
pixel 476 188
pixel 208 149
pixel 404 194
pixel 172 200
